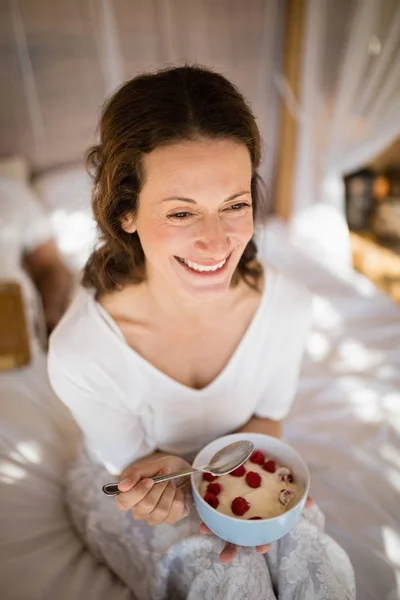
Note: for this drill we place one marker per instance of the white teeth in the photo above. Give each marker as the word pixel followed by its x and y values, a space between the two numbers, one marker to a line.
pixel 203 268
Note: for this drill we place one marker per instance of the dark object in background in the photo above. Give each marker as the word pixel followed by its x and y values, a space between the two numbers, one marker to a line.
pixel 14 337
pixel 359 199
pixel 385 223
pixel 393 177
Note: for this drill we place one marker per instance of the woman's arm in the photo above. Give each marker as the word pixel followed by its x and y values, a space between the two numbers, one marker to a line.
pixel 260 425
pixel 253 425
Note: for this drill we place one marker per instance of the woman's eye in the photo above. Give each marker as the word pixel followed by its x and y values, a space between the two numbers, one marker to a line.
pixel 239 206
pixel 180 216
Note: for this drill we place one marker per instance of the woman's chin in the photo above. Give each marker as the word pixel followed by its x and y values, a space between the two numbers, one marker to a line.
pixel 206 291
pixel 207 294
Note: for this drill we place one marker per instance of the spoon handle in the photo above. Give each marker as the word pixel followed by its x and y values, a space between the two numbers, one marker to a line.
pixel 162 478
pixel 111 489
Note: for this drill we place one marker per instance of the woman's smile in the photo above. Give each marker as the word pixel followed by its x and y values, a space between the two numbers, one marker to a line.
pixel 208 268
pixel 195 216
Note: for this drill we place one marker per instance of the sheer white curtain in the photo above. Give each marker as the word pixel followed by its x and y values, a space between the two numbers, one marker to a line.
pixel 349 109
pixel 60 60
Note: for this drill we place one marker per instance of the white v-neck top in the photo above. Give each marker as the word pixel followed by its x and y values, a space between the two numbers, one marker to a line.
pixel 127 408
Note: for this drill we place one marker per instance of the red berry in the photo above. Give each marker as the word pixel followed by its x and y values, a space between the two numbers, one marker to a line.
pixel 211 499
pixel 257 457
pixel 285 497
pixel 239 472
pixel 255 518
pixel 253 479
pixel 209 477
pixel 270 466
pixel 240 506
pixel 214 488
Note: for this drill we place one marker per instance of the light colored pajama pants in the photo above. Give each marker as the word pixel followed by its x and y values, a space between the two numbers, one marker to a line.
pixel 173 562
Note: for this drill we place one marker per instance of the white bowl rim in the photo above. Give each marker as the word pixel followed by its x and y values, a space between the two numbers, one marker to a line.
pixel 255 521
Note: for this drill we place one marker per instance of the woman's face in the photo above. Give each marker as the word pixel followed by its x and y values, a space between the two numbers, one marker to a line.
pixel 195 215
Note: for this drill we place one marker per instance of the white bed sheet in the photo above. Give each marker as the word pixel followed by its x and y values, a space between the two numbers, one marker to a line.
pixel 346 418
pixel 41 557
pixel 345 422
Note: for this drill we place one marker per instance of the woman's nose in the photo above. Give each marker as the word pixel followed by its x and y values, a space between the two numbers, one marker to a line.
pixel 214 239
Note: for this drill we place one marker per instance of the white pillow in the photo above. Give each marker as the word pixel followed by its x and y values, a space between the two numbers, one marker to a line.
pixel 66 195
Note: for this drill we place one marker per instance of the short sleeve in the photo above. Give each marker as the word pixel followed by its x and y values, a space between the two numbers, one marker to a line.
pixel 292 326
pixel 115 436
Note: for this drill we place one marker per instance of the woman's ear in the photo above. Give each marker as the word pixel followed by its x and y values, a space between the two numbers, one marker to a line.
pixel 128 223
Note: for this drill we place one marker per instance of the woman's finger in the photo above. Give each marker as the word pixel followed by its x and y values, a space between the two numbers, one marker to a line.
pixel 263 549
pixel 164 505
pixel 204 530
pixel 142 509
pixel 309 502
pixel 127 500
pixel 229 552
pixel 126 484
pixel 179 510
pixel 130 480
pixel 132 475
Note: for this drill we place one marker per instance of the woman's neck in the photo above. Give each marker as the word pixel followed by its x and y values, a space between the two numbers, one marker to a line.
pixel 176 306
pixel 153 300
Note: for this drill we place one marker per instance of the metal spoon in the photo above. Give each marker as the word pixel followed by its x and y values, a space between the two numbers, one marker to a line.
pixel 223 462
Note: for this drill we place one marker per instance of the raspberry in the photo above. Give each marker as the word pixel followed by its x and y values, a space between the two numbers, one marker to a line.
pixel 240 506
pixel 214 488
pixel 209 477
pixel 255 518
pixel 285 497
pixel 211 499
pixel 253 479
pixel 270 466
pixel 239 472
pixel 257 457
pixel 285 475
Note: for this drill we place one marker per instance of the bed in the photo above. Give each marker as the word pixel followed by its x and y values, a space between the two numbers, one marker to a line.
pixel 345 422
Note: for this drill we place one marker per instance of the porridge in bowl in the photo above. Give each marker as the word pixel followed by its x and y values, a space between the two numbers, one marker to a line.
pixel 261 488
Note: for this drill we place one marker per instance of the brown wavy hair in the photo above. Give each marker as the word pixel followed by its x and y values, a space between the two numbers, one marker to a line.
pixel 154 109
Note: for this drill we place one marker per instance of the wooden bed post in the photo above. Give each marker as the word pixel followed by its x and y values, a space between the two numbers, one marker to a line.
pixel 291 69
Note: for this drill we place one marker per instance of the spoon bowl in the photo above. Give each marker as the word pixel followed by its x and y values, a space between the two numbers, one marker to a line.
pixel 229 458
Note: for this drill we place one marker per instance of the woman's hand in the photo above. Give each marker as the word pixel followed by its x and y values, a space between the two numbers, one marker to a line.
pixel 155 503
pixel 231 550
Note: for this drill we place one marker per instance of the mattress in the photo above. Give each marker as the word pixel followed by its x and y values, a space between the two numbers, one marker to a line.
pixel 345 422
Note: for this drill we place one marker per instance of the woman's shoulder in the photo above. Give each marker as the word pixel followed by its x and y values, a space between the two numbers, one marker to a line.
pixel 286 296
pixel 77 335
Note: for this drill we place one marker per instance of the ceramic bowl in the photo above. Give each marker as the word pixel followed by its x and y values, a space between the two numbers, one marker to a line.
pixel 247 532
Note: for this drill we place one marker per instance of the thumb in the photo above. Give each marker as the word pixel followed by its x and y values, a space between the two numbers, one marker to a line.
pixel 130 479
pixel 126 484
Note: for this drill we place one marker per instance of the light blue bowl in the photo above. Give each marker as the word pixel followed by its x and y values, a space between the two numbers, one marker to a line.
pixel 246 532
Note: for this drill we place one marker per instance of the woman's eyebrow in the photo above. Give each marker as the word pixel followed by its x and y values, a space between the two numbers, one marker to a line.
pixel 191 201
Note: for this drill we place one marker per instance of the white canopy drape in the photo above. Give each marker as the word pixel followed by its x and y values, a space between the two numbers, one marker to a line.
pixel 349 109
pixel 60 60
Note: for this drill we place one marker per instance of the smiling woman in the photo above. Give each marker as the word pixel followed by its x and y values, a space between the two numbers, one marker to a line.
pixel 194 242
pixel 149 172
pixel 178 337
